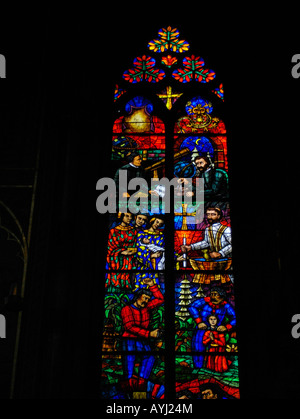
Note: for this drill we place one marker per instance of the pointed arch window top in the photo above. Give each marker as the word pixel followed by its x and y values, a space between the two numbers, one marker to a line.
pixel 192 68
pixel 169 40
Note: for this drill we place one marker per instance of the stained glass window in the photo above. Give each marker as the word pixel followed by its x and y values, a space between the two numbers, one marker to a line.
pixel 169 307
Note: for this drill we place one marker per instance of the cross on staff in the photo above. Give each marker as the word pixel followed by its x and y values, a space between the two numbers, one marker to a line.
pixel 184 215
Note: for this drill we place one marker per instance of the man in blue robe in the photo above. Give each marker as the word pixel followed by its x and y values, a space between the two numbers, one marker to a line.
pixel 150 254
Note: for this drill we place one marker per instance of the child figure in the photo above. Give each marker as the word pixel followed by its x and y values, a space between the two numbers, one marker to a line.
pixel 216 343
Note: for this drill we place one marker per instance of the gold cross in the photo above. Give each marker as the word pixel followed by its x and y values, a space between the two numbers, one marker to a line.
pixel 169 95
pixel 184 215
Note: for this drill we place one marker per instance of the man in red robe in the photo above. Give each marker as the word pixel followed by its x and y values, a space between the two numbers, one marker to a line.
pixel 136 318
pixel 121 252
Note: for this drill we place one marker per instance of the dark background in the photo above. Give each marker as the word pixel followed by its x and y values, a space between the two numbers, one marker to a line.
pixel 57 99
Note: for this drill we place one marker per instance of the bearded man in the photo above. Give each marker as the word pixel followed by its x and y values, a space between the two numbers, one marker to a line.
pixel 217 237
pixel 215 181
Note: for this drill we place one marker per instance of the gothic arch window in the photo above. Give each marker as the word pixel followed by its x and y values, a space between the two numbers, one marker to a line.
pixel 169 308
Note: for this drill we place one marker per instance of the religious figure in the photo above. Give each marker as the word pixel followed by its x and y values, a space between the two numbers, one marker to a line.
pixel 136 318
pixel 217 237
pixel 133 170
pixel 121 251
pixel 150 252
pixel 216 345
pixel 140 221
pixel 199 118
pixel 215 181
